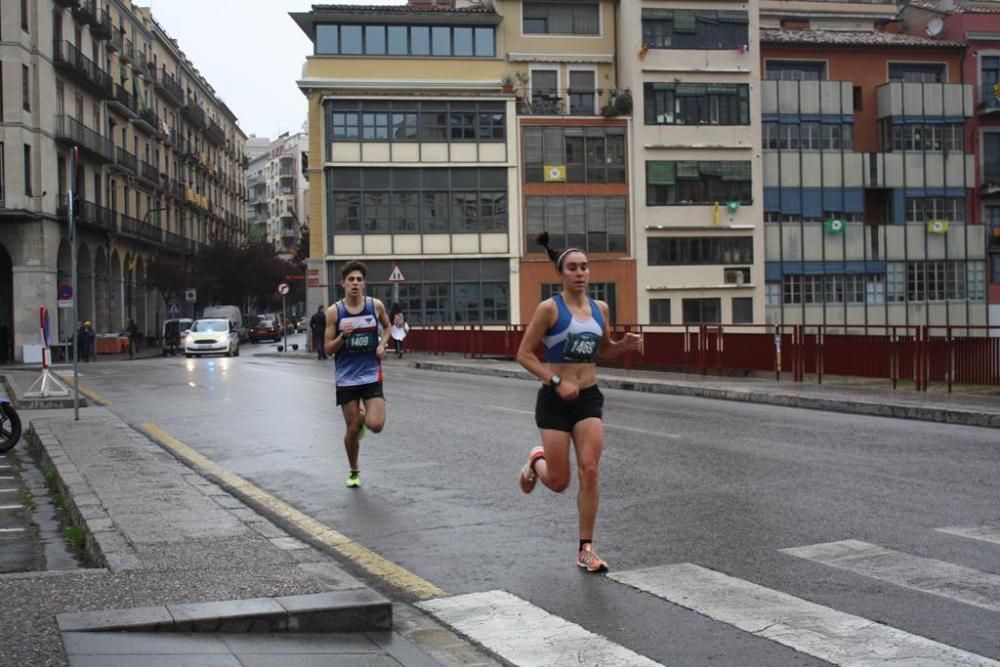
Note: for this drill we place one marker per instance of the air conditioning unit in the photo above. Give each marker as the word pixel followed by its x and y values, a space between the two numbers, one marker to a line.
pixel 736 275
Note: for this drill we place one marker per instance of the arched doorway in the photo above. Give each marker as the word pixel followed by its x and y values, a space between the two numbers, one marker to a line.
pixel 6 306
pixel 116 293
pixel 102 292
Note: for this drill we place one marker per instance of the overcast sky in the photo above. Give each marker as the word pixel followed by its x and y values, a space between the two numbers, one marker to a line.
pixel 250 51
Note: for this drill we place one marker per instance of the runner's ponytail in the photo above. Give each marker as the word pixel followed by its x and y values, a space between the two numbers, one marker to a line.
pixel 557 257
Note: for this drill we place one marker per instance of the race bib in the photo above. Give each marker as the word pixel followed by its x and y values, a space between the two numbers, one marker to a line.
pixel 581 347
pixel 362 341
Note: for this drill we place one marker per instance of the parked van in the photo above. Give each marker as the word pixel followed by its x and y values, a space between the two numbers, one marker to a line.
pixel 231 313
pixel 172 338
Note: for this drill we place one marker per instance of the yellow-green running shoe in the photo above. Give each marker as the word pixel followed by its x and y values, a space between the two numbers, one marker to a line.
pixel 354 480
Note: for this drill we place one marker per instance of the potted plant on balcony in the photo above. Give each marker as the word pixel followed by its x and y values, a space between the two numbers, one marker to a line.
pixel 620 104
pixel 507 82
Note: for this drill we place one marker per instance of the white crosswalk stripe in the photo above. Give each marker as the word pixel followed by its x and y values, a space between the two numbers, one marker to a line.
pixel 11 507
pixel 927 575
pixel 526 635
pixel 986 533
pixel 11 530
pixel 807 627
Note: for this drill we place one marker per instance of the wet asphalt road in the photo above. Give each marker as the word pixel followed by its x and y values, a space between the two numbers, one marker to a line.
pixel 723 485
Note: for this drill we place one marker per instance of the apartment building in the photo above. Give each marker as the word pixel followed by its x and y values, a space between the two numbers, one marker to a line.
pixel 977 25
pixel 413 159
pixel 693 69
pixel 278 191
pixel 869 171
pixel 158 163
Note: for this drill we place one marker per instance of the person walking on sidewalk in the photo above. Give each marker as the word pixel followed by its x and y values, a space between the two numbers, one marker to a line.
pixel 357 330
pixel 133 338
pixel 317 327
pixel 399 330
pixel 573 328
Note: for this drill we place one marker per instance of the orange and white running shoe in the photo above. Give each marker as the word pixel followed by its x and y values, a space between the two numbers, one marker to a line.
pixel 588 559
pixel 527 478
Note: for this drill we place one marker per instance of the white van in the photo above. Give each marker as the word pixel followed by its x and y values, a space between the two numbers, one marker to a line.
pixel 231 313
pixel 172 335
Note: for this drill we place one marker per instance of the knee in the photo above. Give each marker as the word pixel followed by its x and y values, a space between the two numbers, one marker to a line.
pixel 588 475
pixel 559 483
pixel 376 426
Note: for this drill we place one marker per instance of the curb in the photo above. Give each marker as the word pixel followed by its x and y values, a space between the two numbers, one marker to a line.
pixel 354 610
pixel 895 410
pixel 42 403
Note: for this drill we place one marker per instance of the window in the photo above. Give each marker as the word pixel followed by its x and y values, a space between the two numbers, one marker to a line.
pixel 697 183
pixel 772 293
pixel 582 90
pixel 659 311
pixel 368 120
pixel 414 201
pixel 396 40
pixel 995 273
pixel 24 15
pixel 590 155
pixel 742 310
pixel 794 70
pixel 694 29
pixel 989 75
pixel 991 157
pixel 920 137
pixel 27 171
pixel 690 250
pixel 702 311
pixel 594 224
pixel 917 72
pixel 558 17
pixel 696 104
pixel 920 210
pixel 26 88
pixel 938 280
pixel 3 178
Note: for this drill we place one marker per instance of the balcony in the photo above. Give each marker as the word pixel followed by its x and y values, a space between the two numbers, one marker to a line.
pixel 68 59
pixel 215 134
pixel 989 100
pixel 70 130
pixel 149 173
pixel 194 114
pixel 67 4
pixel 85 10
pixel 141 230
pixel 177 243
pixel 148 121
pixel 126 161
pixel 115 42
pixel 88 214
pixel 829 98
pixel 124 102
pixel 924 99
pixel 169 86
pixel 127 53
pixel 990 188
pixel 919 169
pixel 574 102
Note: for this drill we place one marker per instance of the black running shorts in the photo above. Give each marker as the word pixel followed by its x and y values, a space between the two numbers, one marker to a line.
pixel 359 392
pixel 552 412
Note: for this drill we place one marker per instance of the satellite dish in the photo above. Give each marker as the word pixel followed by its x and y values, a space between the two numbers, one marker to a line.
pixel 934 27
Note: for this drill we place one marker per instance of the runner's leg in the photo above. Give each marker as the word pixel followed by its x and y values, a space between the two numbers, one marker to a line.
pixel 553 470
pixel 352 418
pixel 375 414
pixel 588 440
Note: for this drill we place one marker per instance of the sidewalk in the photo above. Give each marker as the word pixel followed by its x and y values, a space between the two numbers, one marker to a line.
pixel 187 574
pixel 835 395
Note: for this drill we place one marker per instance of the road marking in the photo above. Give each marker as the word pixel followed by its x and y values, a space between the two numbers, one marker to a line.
pixel 524 634
pixel 11 507
pixel 807 627
pixel 89 393
pixel 8 490
pixel 926 575
pixel 365 558
pixel 6 478
pixel 11 530
pixel 986 533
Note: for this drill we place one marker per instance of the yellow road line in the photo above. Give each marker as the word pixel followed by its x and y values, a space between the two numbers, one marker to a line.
pixel 367 559
pixel 89 393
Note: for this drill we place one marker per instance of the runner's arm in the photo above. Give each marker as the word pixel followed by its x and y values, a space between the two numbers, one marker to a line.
pixel 383 318
pixel 543 318
pixel 332 342
pixel 611 349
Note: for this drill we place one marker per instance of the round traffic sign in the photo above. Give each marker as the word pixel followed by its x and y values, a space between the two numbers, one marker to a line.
pixel 65 291
pixel 283 289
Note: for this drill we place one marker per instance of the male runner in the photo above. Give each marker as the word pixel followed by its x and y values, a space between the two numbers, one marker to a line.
pixel 357 330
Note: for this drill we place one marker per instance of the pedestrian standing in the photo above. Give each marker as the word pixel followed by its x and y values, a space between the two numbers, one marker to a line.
pixel 357 330
pixel 399 330
pixel 133 338
pixel 317 327
pixel 573 328
pixel 82 353
pixel 91 341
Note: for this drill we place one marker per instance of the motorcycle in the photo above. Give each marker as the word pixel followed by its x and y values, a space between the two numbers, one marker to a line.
pixel 10 425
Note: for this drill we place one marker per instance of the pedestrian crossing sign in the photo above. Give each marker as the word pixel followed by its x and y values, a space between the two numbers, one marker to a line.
pixel 173 310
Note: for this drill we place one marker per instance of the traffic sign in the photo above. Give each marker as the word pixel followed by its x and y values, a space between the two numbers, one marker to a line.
pixel 173 309
pixel 396 276
pixel 190 295
pixel 283 289
pixel 65 296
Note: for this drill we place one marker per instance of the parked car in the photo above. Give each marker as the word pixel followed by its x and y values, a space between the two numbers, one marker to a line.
pixel 212 336
pixel 173 334
pixel 231 313
pixel 267 327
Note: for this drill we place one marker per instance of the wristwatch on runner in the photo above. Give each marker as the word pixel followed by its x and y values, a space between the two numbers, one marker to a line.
pixel 555 380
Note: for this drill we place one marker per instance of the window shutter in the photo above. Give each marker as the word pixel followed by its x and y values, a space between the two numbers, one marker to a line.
pixel 660 173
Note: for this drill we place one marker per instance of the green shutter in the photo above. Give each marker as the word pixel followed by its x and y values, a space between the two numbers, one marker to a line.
pixel 660 173
pixel 735 171
pixel 688 170
pixel 658 14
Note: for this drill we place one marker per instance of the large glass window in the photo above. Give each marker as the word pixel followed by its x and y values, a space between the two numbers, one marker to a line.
pixel 794 70
pixel 659 311
pixel 594 224
pixel 702 311
pixel 582 91
pixel 924 209
pixel 697 183
pixel 989 74
pixel 412 201
pixel 561 17
pixel 369 120
pixel 699 250
pixel 947 137
pixel 694 29
pixel 991 157
pixel 696 104
pixel 378 40
pixel 917 72
pixel 937 280
pixel 590 155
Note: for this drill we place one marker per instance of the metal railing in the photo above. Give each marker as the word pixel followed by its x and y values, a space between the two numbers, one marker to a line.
pixel 70 129
pixel 68 56
pixel 170 86
pixel 125 99
pixel 125 159
pixel 149 172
